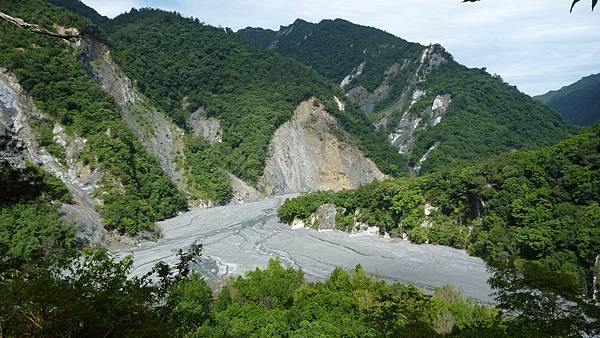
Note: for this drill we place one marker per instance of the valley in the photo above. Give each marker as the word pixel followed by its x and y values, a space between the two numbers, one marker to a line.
pixel 164 177
pixel 243 237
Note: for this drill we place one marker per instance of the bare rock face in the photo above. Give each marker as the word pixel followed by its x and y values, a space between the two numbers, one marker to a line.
pixel 242 192
pixel 305 155
pixel 158 134
pixel 325 216
pixel 18 144
pixel 206 127
pixel 322 219
pixel 366 100
pixel 412 122
pixel 596 279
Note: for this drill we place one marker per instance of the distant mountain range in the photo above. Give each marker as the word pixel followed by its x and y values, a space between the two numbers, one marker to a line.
pixel 578 103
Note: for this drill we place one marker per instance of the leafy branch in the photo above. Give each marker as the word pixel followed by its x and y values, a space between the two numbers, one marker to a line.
pixel 594 3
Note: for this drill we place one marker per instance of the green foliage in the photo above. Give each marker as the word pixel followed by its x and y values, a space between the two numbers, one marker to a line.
pixel 87 296
pixel 486 117
pixel 183 65
pixel 29 183
pixel 277 302
pixel 335 47
pixel 545 303
pixel 207 177
pixel 264 37
pixel 44 130
pixel 135 191
pixel 578 103
pixel 91 295
pixel 80 8
pixel 540 206
pixel 188 305
pixel 30 228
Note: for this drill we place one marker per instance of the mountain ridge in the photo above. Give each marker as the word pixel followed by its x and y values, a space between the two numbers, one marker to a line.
pixel 396 83
pixel 578 102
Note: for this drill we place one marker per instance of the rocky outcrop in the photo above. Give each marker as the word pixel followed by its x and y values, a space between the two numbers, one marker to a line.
pixel 356 72
pixel 414 71
pixel 405 133
pixel 242 192
pixel 158 134
pixel 325 216
pixel 19 144
pixel 596 279
pixel 306 155
pixel 206 127
pixel 366 100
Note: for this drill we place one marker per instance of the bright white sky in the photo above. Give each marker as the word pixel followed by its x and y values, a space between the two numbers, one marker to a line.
pixel 534 44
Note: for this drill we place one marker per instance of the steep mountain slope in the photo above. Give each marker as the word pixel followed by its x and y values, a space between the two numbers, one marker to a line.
pixel 79 124
pixel 435 111
pixel 578 103
pixel 306 155
pixel 197 73
pixel 192 118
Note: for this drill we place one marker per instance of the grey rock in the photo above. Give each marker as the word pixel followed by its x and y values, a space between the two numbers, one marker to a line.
pixel 596 278
pixel 206 127
pixel 240 238
pixel 242 192
pixel 306 155
pixel 158 134
pixel 325 216
pixel 368 101
pixel 19 144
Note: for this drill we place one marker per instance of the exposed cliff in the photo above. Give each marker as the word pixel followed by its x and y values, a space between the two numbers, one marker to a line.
pixel 20 144
pixel 158 134
pixel 306 155
pixel 207 127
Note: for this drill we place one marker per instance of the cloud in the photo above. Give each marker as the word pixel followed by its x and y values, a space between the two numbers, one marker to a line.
pixel 536 44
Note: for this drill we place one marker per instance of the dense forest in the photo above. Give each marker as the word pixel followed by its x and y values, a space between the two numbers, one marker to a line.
pixel 335 47
pixel 578 103
pixel 540 206
pixel 136 193
pixel 486 117
pixel 183 65
pixel 30 228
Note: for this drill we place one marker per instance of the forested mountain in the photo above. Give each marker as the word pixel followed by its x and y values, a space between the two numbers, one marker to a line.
pixel 75 121
pixel 578 103
pixel 121 123
pixel 185 66
pixel 437 112
pixel 101 130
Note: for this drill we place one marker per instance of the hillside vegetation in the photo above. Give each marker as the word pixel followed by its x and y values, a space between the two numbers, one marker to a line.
pixel 136 193
pixel 541 206
pixel 486 117
pixel 578 103
pixel 183 65
pixel 97 299
pixel 30 228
